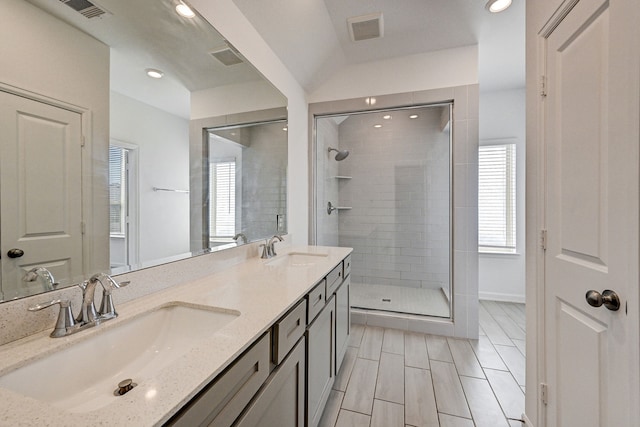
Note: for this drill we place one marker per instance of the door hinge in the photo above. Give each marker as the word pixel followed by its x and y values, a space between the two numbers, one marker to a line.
pixel 544 393
pixel 543 239
pixel 83 141
pixel 543 86
pixel 83 227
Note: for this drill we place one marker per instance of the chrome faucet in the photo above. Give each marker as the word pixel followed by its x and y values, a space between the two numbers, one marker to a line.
pixel 33 274
pixel 240 235
pixel 269 247
pixel 272 244
pixel 89 316
pixel 107 311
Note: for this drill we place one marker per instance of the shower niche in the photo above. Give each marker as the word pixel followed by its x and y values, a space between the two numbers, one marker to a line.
pixel 383 186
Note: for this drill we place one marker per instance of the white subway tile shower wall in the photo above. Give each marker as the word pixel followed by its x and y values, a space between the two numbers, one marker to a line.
pixel 399 224
pixel 264 179
pixel 327 183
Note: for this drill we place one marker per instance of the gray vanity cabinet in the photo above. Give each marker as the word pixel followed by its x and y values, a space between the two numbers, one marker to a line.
pixel 343 321
pixel 281 400
pixel 285 377
pixel 321 359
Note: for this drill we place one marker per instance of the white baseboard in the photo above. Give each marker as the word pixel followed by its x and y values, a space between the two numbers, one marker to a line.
pixel 495 296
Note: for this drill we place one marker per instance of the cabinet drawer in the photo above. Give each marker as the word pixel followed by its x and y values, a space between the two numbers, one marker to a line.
pixel 280 403
pixel 347 266
pixel 334 279
pixel 221 402
pixel 316 300
pixel 288 330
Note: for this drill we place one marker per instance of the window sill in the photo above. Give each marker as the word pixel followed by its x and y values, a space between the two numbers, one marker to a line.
pixel 499 254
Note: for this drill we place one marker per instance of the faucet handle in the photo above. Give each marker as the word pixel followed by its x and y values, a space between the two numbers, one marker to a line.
pixel 65 317
pixel 48 304
pixel 265 251
pixel 107 309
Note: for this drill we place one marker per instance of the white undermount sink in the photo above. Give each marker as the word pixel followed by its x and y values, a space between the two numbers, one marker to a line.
pixel 83 377
pixel 297 259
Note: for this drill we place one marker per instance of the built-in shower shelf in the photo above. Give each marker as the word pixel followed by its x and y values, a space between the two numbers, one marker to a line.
pixel 331 208
pixel 342 177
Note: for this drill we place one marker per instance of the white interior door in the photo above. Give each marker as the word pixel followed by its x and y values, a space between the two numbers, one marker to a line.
pixel 40 192
pixel 591 138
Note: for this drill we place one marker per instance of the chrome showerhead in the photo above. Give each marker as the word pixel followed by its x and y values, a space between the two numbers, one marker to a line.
pixel 342 154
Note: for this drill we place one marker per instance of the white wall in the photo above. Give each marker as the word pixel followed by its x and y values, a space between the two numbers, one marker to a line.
pixel 432 70
pixel 163 159
pixel 237 98
pixel 502 115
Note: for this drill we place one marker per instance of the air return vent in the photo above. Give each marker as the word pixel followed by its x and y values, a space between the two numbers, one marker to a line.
pixel 86 8
pixel 227 56
pixel 366 27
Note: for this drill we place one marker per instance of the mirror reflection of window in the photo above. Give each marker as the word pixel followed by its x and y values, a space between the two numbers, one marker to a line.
pixel 117 191
pixel 123 206
pixel 222 214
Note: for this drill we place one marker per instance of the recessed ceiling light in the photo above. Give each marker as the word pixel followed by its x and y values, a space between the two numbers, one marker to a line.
pixel 154 73
pixel 413 116
pixel 495 6
pixel 370 100
pixel 386 116
pixel 184 10
pixel 377 126
pixel 285 128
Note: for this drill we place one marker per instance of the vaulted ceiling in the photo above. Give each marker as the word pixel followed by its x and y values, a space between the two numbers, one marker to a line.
pixel 311 36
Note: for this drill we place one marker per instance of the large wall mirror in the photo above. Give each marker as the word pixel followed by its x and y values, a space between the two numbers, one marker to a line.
pixel 132 136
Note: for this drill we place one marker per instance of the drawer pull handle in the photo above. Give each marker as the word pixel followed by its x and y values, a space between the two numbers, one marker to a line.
pixel 293 328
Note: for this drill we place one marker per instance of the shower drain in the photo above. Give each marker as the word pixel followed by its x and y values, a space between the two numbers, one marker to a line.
pixel 124 386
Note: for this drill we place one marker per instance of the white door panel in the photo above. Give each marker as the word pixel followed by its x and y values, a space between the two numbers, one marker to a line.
pixel 41 192
pixel 592 181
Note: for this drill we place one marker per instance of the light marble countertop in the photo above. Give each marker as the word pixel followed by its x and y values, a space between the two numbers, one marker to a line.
pixel 260 292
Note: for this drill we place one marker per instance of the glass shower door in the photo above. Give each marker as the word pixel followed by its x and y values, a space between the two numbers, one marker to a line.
pixel 389 198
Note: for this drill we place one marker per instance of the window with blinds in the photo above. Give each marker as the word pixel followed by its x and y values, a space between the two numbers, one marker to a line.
pixel 222 212
pixel 117 190
pixel 497 198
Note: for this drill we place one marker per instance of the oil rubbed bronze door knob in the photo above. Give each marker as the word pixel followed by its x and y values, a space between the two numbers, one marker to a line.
pixel 15 253
pixel 608 298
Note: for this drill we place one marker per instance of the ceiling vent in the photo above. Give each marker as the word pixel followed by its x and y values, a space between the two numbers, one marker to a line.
pixel 86 8
pixel 366 27
pixel 227 56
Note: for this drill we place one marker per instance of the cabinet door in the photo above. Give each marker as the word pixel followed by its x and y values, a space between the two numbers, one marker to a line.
pixel 320 361
pixel 343 321
pixel 220 403
pixel 281 400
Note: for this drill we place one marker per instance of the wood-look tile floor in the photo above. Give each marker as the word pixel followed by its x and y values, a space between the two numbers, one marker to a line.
pixel 395 378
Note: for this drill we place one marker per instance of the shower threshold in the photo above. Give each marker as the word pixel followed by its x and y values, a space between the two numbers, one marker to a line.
pixel 400 299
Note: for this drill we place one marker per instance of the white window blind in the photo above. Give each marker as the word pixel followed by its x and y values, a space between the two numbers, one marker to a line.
pixel 117 190
pixel 222 212
pixel 497 198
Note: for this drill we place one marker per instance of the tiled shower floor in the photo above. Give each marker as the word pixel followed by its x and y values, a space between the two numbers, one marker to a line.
pixel 400 299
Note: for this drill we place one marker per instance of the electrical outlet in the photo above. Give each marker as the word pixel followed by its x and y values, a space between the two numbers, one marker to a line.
pixel 280 223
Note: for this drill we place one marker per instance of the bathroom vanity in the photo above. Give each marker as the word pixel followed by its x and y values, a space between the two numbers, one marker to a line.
pixel 272 360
